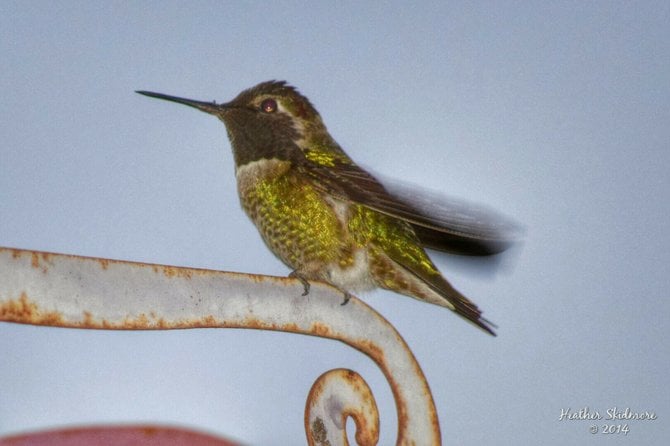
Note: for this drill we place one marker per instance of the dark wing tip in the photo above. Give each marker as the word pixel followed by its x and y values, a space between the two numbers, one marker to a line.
pixel 462 244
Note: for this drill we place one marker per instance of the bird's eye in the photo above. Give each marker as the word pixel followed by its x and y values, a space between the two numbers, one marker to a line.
pixel 269 105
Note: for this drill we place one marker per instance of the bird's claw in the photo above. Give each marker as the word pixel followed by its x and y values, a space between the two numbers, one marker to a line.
pixel 305 283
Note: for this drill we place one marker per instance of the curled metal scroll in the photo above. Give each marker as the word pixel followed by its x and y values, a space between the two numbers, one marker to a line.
pixel 71 291
pixel 336 395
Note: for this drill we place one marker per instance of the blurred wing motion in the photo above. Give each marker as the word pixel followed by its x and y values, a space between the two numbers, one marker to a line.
pixel 440 223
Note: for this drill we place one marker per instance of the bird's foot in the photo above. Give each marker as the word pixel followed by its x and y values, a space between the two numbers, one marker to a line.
pixel 296 275
pixel 347 296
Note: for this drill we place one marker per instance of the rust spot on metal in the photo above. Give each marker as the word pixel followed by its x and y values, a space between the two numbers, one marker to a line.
pixel 160 324
pixel 292 327
pixel 141 321
pixel 25 311
pixel 355 381
pixel 258 324
pixel 19 309
pixel 319 433
pixel 35 261
pixel 373 351
pixel 209 321
pixel 171 271
pixel 320 329
pixel 88 319
pixel 104 263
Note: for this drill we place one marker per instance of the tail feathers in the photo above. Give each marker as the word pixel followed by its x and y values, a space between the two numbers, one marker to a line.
pixel 440 292
pixel 461 305
pixel 468 310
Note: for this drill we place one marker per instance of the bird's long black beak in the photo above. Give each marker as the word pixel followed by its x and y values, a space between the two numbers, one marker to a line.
pixel 207 107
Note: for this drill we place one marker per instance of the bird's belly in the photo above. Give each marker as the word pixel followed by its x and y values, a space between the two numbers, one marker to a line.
pixel 306 230
pixel 355 276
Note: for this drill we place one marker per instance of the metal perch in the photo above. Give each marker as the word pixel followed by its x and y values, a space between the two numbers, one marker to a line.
pixel 71 291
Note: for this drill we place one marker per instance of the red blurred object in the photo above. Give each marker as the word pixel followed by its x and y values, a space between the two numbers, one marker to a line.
pixel 116 436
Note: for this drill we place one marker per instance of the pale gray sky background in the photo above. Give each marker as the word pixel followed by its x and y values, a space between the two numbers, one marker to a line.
pixel 555 113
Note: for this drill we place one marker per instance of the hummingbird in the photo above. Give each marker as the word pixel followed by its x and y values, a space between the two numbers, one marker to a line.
pixel 332 221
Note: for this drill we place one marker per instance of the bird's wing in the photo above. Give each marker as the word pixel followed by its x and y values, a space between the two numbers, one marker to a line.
pixel 440 223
